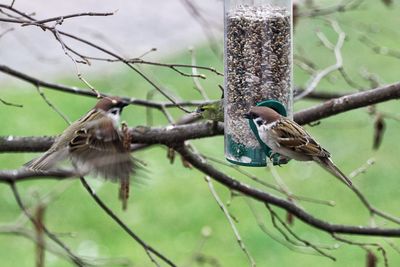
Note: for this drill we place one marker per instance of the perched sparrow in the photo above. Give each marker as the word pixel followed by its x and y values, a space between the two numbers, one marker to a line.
pixel 289 139
pixel 213 111
pixel 94 144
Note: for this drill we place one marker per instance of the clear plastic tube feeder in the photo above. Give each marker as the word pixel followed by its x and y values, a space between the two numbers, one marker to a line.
pixel 258 71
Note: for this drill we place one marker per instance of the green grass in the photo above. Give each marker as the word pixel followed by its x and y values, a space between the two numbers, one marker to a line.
pixel 173 205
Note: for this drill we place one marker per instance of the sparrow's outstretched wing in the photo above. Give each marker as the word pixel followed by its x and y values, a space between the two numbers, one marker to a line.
pixel 98 148
pixel 48 160
pixel 293 137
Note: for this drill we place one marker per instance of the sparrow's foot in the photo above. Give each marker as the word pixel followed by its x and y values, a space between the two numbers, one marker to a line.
pixel 272 156
pixel 278 159
pixel 126 136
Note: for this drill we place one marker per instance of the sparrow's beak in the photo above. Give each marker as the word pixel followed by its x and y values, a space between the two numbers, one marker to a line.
pixel 123 104
pixel 199 109
pixel 248 116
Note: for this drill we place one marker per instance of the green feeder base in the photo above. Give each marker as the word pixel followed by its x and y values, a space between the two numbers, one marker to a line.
pixel 240 154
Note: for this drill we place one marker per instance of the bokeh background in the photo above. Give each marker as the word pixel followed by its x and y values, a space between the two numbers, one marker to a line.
pixel 171 206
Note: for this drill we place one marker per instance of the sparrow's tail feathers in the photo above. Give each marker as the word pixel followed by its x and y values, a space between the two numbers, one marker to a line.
pixel 328 165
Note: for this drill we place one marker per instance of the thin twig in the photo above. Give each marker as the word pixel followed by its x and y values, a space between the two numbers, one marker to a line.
pixel 148 249
pixel 342 6
pixel 196 81
pixel 198 162
pixel 70 16
pixel 378 49
pixel 229 218
pixel 290 244
pixel 364 246
pixel 6 31
pixel 75 259
pixel 269 185
pixel 315 79
pixel 173 66
pixel 10 104
pixel 348 80
pixel 62 115
pixel 81 91
pixel 205 25
pixel 58 35
pixel 363 168
pixel 305 242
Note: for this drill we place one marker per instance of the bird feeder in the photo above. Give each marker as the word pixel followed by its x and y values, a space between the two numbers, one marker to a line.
pixel 258 71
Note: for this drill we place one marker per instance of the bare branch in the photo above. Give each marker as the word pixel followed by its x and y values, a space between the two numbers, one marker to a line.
pixel 365 245
pixel 291 244
pixel 320 95
pixel 349 102
pixel 58 35
pixel 62 115
pixel 274 216
pixel 363 168
pixel 10 104
pixel 62 18
pixel 264 197
pixel 11 176
pixel 6 31
pixel 315 79
pixel 81 91
pixel 148 249
pixel 378 49
pixel 75 259
pixel 196 81
pixel 205 25
pixel 173 66
pixel 176 134
pixel 28 234
pixel 343 6
pixel 330 203
pixel 231 223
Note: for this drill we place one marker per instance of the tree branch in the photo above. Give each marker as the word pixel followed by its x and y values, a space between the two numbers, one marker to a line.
pixel 349 102
pixel 81 91
pixel 200 164
pixel 22 174
pixel 111 214
pixel 175 134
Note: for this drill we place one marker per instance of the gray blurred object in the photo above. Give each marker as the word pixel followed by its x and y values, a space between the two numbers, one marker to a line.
pixel 136 27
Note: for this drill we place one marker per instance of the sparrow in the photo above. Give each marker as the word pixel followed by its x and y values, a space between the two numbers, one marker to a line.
pixel 286 137
pixel 213 111
pixel 94 144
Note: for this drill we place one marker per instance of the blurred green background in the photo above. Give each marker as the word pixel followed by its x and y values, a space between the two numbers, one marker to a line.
pixel 171 206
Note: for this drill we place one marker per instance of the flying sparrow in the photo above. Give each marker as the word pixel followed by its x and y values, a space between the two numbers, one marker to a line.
pixel 94 144
pixel 289 139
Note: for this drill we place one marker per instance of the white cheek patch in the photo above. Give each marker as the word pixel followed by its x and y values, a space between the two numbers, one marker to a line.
pixel 264 132
pixel 114 117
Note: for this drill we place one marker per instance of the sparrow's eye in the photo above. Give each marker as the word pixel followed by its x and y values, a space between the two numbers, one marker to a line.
pixel 114 111
pixel 258 121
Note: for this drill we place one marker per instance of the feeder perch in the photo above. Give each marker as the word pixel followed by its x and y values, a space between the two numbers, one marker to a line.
pixel 258 71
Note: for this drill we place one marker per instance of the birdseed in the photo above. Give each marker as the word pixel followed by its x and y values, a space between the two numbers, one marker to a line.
pixel 258 65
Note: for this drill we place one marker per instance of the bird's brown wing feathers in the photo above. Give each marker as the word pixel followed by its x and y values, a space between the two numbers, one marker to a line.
pixel 99 148
pixel 292 136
